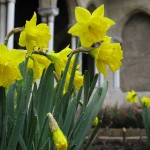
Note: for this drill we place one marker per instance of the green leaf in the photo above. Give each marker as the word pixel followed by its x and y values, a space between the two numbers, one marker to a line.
pixel 3 118
pixel 32 132
pixel 10 102
pixel 70 86
pixel 86 88
pixel 61 85
pixel 146 120
pixel 42 132
pixel 22 143
pixel 93 85
pixel 87 118
pixel 45 95
pixel 61 110
pixel 25 96
pixel 70 115
pixel 92 136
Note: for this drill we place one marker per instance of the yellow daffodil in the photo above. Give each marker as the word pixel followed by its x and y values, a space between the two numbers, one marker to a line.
pixel 91 28
pixel 132 97
pixel 9 65
pixel 78 80
pixel 38 63
pixel 60 59
pixel 145 101
pixel 34 37
pixel 59 139
pixel 107 54
pixel 95 122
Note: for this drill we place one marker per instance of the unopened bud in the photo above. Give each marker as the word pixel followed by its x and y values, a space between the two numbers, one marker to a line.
pixel 60 140
pixel 95 122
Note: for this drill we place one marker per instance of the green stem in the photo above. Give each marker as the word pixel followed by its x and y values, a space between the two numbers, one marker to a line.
pixel 3 118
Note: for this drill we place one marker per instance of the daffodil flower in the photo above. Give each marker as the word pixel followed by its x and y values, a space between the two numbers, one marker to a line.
pixel 9 65
pixel 38 63
pixel 132 97
pixel 59 59
pixel 107 54
pixel 35 37
pixel 145 101
pixel 91 28
pixel 78 80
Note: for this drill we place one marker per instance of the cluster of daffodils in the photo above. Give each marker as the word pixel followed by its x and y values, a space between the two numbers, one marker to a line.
pixel 133 97
pixel 91 30
pixel 35 38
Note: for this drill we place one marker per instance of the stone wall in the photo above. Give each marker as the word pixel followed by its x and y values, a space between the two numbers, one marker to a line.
pixel 135 72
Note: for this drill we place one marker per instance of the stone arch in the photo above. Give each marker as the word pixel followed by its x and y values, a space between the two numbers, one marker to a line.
pixel 135 70
pixel 126 16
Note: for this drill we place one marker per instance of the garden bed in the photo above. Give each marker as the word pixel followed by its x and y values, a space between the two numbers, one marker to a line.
pixel 119 139
pixel 121 129
pixel 118 145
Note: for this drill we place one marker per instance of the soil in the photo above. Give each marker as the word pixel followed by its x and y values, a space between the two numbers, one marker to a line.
pixel 117 145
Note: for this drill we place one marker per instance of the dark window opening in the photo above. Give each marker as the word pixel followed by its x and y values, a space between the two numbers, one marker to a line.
pixel 24 10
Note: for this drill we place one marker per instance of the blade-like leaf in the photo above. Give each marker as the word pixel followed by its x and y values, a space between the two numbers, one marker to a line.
pixel 86 88
pixel 70 115
pixel 146 120
pixel 90 113
pixel 25 96
pixel 45 94
pixel 93 85
pixel 92 136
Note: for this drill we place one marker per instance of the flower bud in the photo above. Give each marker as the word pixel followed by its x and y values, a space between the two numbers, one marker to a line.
pixel 59 139
pixel 95 122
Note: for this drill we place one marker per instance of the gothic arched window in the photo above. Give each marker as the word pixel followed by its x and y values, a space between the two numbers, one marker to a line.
pixel 135 72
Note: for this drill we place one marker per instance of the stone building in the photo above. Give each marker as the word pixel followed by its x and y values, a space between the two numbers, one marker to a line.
pixel 132 30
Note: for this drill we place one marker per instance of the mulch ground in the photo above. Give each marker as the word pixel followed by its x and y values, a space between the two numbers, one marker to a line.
pixel 117 145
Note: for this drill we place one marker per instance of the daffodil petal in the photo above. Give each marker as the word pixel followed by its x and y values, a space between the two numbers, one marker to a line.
pixel 82 15
pixel 99 12
pixel 22 39
pixel 33 20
